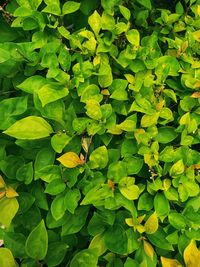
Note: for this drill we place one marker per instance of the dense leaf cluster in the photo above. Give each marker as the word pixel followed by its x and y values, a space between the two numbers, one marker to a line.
pixel 99 120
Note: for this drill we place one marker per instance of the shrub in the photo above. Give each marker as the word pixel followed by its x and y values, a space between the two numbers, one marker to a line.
pixel 99 116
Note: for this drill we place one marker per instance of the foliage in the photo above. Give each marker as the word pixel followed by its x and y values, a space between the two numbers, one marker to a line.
pixel 99 120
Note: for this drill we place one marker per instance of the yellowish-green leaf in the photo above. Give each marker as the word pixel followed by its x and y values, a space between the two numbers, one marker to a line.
pixel 149 120
pixel 166 262
pixel 127 125
pixel 98 243
pixel 125 12
pixel 128 189
pixel 130 78
pixel 148 249
pixel 30 128
pixel 177 169
pixel 151 225
pixel 70 160
pixel 93 109
pixel 37 242
pixel 70 7
pixel 191 255
pixel 95 22
pixel 114 130
pixel 6 258
pixel 8 209
pixel 133 36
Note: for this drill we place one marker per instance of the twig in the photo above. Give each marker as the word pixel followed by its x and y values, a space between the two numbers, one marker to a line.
pixel 89 144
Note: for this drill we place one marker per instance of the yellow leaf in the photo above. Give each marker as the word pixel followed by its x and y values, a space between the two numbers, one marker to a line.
pixel 148 249
pixel 198 10
pixel 129 222
pixel 2 194
pixel 114 130
pixel 140 228
pixel 2 183
pixel 10 192
pixel 196 166
pixel 151 225
pixel 96 60
pixel 166 262
pixel 141 218
pixel 70 160
pixel 160 105
pixel 191 255
pixel 105 92
pixel 196 95
pixel 197 35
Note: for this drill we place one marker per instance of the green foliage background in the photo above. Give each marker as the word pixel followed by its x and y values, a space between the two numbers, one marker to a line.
pixel 99 117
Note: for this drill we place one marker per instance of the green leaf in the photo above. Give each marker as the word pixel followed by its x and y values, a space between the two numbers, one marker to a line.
pixel 51 92
pixel 129 147
pixel 30 128
pixel 52 9
pixel 74 222
pixel 32 84
pixel 125 12
pixel 133 165
pixel 70 7
pixel 128 189
pixel 116 171
pixel 37 242
pixel 95 22
pixel 145 3
pixel 171 94
pixel 57 207
pixel 59 141
pixel 25 173
pixel 133 36
pixel 56 253
pixel 71 200
pixel 157 240
pixel 99 158
pixel 161 205
pixel 85 258
pixel 97 195
pixel 105 77
pixel 177 220
pixel 6 258
pixel 118 243
pixel 55 187
pixel 10 108
pixel 4 55
pixel 8 210
pixel 145 202
pixel 16 243
pixel 166 134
